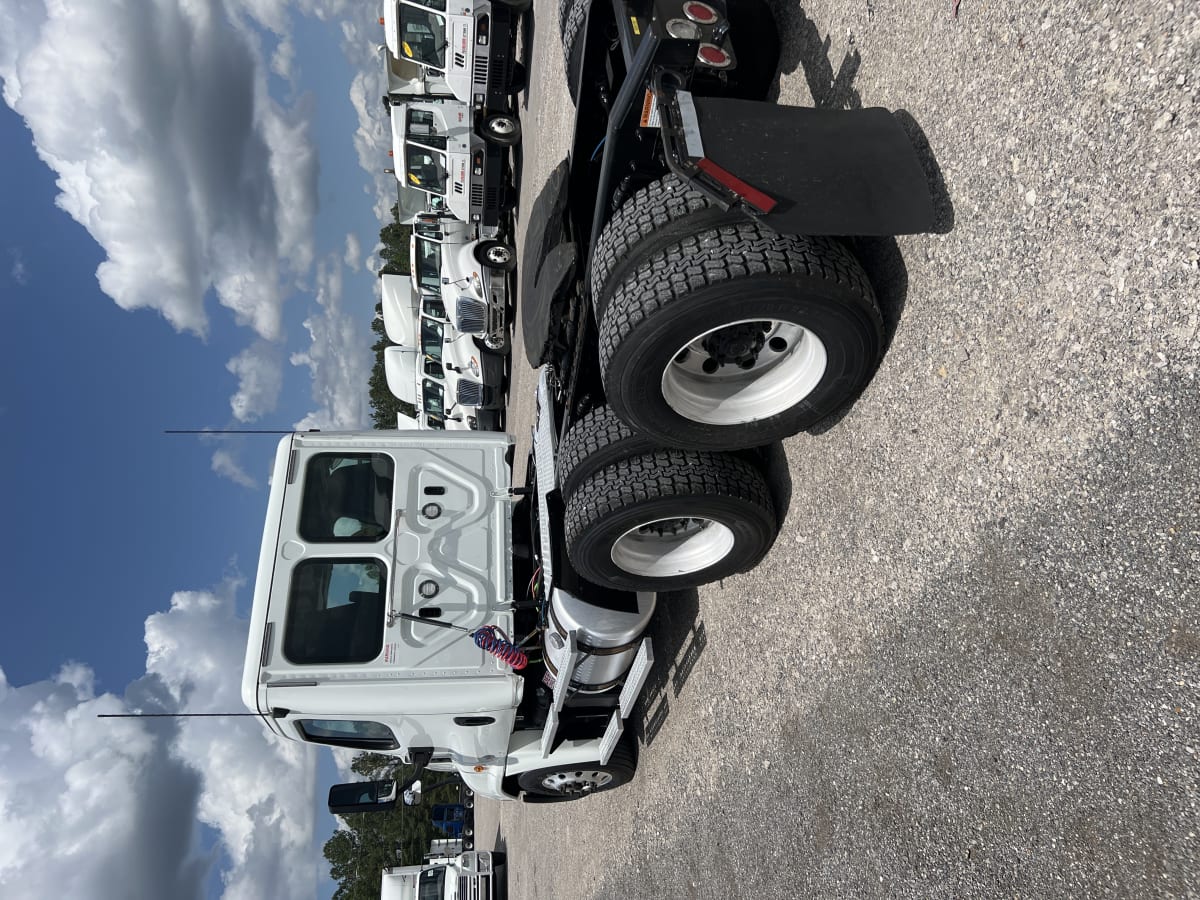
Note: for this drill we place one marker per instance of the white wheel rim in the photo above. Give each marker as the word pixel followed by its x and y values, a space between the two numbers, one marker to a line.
pixel 576 781
pixel 672 546
pixel 499 255
pixel 786 368
pixel 502 125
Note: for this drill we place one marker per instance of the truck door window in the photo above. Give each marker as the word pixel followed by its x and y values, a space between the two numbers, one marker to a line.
pixel 425 169
pixel 347 497
pixel 433 306
pixel 435 422
pixel 429 266
pixel 435 399
pixel 423 36
pixel 431 346
pixel 335 612
pixel 359 734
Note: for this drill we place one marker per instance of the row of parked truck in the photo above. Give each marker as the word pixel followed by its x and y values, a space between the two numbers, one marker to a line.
pixel 691 293
pixel 451 74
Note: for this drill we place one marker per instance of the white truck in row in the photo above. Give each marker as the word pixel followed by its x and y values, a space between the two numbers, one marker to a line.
pixel 690 296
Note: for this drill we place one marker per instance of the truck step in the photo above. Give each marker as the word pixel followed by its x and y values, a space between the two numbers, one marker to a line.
pixel 612 734
pixel 636 677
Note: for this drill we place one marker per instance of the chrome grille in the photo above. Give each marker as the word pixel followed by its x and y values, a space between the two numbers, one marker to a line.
pixel 470 393
pixel 473 887
pixel 472 316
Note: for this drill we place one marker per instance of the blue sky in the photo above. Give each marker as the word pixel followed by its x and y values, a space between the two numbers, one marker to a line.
pixel 192 197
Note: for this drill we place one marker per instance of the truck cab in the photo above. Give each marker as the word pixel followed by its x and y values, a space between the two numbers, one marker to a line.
pixel 372 561
pixel 402 370
pixel 436 151
pixel 467 272
pixel 470 45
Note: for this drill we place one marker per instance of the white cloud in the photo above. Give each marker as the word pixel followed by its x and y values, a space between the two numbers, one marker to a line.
pixel 226 465
pixel 284 59
pixel 339 358
pixel 19 273
pixel 353 256
pixel 174 158
pixel 259 369
pixel 92 808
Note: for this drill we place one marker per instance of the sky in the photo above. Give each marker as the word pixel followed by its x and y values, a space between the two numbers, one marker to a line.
pixel 190 200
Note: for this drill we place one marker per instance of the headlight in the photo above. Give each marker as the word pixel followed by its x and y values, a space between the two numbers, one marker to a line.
pixel 474 366
pixel 477 283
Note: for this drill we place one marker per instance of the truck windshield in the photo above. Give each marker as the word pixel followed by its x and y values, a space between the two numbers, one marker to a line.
pixel 334 612
pixel 432 883
pixel 435 399
pixel 423 35
pixel 425 169
pixel 429 266
pixel 347 497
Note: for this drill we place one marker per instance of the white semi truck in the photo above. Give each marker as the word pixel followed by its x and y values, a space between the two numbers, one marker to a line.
pixel 468 273
pixel 690 296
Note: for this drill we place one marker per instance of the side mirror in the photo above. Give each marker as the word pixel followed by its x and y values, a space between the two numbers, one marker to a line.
pixel 362 796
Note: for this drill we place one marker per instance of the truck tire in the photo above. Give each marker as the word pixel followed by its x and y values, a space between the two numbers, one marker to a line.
pixel 496 255
pixel 669 520
pixel 499 858
pixel 502 129
pixel 581 780
pixel 572 14
pixel 595 441
pixel 738 336
pixel 658 215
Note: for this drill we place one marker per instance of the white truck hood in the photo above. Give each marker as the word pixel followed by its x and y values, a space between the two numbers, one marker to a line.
pixel 399 310
pixel 400 367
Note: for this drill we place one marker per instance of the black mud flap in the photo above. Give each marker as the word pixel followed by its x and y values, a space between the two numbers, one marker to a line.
pixel 547 266
pixel 800 170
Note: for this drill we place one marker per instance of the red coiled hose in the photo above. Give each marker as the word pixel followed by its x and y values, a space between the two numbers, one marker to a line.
pixel 491 639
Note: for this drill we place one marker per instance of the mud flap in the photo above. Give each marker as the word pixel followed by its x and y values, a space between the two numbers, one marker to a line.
pixel 547 266
pixel 800 170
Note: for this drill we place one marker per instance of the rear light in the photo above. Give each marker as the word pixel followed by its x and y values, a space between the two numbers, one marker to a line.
pixel 700 12
pixel 381 20
pixel 712 55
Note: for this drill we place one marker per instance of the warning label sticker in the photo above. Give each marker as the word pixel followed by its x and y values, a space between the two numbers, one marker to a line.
pixel 651 118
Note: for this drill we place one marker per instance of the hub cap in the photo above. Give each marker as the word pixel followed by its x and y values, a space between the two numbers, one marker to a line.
pixel 744 371
pixel 667 547
pixel 576 781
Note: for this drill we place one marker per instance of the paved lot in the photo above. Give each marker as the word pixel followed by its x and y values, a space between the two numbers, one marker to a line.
pixel 971 664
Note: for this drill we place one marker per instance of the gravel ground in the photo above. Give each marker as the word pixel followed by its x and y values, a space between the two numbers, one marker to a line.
pixel 971 664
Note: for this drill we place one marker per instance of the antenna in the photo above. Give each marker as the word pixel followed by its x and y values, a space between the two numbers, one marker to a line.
pixel 232 430
pixel 277 712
